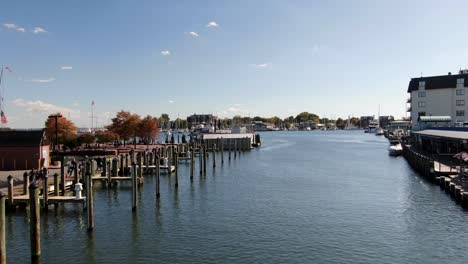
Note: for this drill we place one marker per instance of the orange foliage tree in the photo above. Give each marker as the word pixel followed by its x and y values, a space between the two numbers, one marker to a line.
pixel 106 136
pixel 125 125
pixel 148 128
pixel 63 129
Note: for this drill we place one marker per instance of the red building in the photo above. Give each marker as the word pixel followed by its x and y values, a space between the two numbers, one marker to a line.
pixel 23 150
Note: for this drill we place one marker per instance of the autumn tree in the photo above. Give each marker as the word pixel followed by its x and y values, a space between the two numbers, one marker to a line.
pixel 105 136
pixel 86 138
pixel 59 128
pixel 125 125
pixel 148 128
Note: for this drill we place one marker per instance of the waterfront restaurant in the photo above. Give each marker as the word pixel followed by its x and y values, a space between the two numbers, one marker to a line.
pixel 441 142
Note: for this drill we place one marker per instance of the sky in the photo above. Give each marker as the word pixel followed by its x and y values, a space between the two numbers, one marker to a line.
pixel 233 57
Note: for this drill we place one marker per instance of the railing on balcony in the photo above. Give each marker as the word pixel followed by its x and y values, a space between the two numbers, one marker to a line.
pixel 408 109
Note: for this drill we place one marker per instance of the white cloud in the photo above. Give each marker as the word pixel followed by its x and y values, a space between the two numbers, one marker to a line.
pixel 165 53
pixel 194 34
pixel 262 66
pixel 235 109
pixel 212 24
pixel 42 80
pixel 171 101
pixel 41 106
pixel 21 29
pixel 10 25
pixel 38 30
pixel 66 68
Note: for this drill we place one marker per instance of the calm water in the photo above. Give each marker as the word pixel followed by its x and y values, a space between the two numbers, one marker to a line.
pixel 304 197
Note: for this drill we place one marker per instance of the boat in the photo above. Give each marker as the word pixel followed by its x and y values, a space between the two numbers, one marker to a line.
pixel 395 149
pixel 379 131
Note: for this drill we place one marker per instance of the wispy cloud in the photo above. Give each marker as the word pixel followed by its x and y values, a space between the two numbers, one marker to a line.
pixel 10 25
pixel 66 68
pixel 171 101
pixel 42 80
pixel 21 29
pixel 261 66
pixel 212 24
pixel 235 109
pixel 41 106
pixel 194 34
pixel 165 53
pixel 38 30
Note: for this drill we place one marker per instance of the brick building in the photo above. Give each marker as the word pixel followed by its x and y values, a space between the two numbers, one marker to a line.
pixel 23 149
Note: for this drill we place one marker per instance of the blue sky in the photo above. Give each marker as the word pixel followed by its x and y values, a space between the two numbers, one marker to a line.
pixel 333 58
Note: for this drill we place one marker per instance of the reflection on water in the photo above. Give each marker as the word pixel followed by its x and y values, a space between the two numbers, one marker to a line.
pixel 303 197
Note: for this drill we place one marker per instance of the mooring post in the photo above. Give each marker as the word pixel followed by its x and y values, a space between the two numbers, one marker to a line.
pixel 34 222
pixel 89 197
pixel 25 183
pixel 229 146
pixel 214 155
pixel 128 162
pixel 75 171
pixel 176 164
pixel 204 159
pixel 158 173
pixel 62 175
pixel 11 200
pixel 45 192
pixel 200 158
pixel 133 173
pixel 108 163
pixel 2 229
pixel 104 167
pixel 140 167
pixel 222 151
pixel 56 184
pixel 235 147
pixel 115 165
pixel 192 161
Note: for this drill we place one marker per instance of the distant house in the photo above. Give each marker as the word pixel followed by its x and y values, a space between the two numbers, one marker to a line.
pixel 23 149
pixel 204 119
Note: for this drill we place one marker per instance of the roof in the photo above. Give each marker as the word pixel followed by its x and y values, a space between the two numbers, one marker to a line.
pixel 460 135
pixel 435 119
pixel 437 82
pixel 21 138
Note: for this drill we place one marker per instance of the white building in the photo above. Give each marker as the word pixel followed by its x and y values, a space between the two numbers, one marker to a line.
pixel 439 96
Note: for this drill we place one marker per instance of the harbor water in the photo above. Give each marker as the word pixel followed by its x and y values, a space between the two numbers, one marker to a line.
pixel 303 197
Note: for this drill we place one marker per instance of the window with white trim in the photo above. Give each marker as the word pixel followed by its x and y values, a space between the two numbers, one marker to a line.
pixel 421 94
pixel 460 102
pixel 421 104
pixel 461 81
pixel 460 91
pixel 422 84
pixel 460 112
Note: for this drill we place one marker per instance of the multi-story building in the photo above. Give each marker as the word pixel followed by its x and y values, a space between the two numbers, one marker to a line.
pixel 384 121
pixel 364 121
pixel 439 96
pixel 206 119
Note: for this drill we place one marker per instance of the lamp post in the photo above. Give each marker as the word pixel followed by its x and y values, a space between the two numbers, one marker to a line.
pixel 56 130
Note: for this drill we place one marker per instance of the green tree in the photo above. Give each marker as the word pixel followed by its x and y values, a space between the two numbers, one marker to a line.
pixel 340 123
pixel 306 116
pixel 164 121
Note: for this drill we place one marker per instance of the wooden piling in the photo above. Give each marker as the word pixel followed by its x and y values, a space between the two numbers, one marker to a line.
pixel 176 167
pixel 133 173
pixel 62 175
pixel 56 184
pixel 34 222
pixel 204 159
pixel 89 197
pixel 235 148
pixel 192 161
pixel 2 229
pixel 109 173
pixel 222 151
pixel 158 173
pixel 25 183
pixel 214 155
pixel 11 200
pixel 45 192
pixel 229 146
pixel 200 159
pixel 121 171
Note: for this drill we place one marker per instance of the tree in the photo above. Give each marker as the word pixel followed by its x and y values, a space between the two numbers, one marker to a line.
pixel 86 138
pixel 125 125
pixel 246 120
pixel 237 120
pixel 64 130
pixel 148 128
pixel 164 121
pixel 306 116
pixel 355 121
pixel 340 123
pixel 105 136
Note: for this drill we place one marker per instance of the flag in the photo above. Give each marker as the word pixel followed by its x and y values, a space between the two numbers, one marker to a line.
pixel 8 69
pixel 3 118
pixel 92 103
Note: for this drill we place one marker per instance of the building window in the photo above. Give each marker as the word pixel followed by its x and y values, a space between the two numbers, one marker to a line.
pixel 460 102
pixel 461 81
pixel 422 84
pixel 460 112
pixel 421 94
pixel 421 104
pixel 461 92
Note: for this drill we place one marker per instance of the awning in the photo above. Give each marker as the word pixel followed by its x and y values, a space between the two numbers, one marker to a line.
pixel 435 119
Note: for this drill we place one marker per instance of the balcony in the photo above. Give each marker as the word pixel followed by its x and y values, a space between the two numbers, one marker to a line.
pixel 408 100
pixel 408 109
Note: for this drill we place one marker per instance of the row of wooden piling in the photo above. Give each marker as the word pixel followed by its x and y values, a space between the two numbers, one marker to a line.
pixel 110 167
